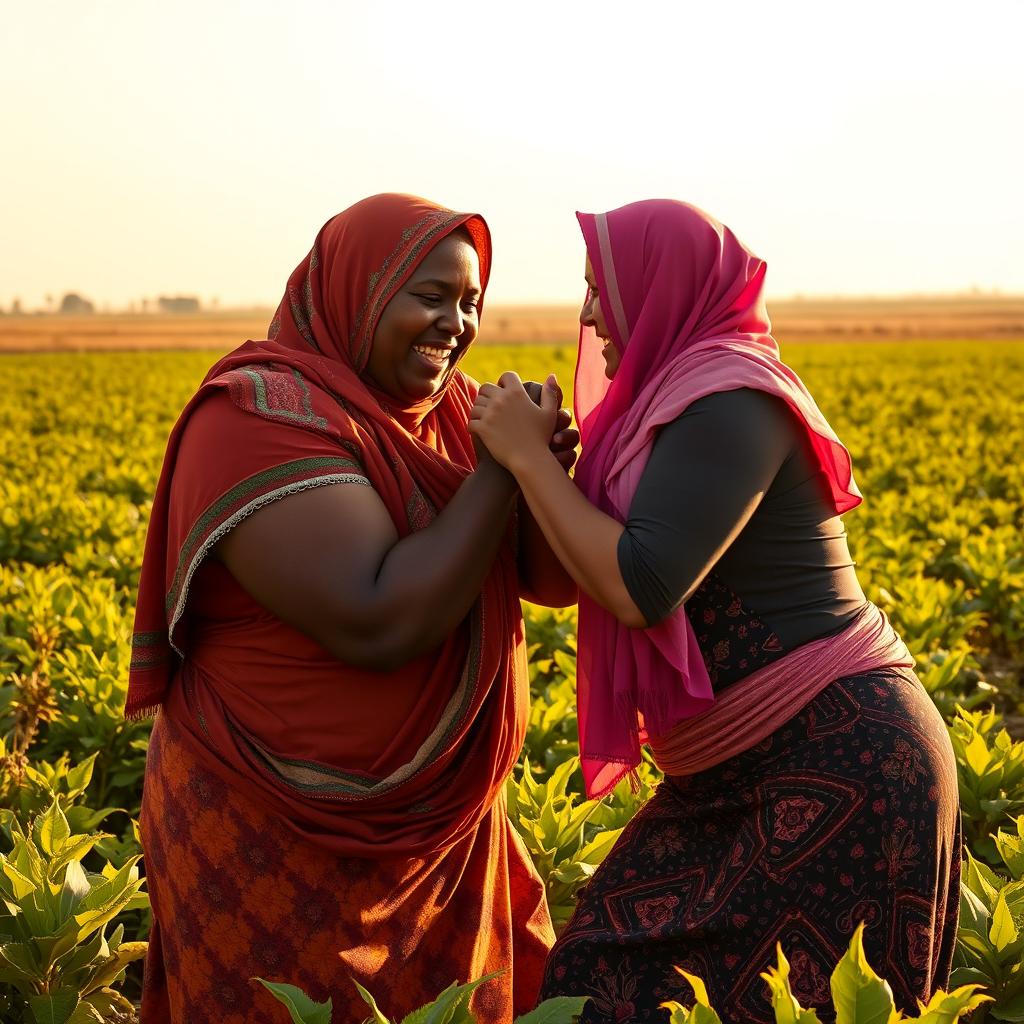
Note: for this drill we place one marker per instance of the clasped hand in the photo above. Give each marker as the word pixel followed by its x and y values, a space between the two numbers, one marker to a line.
pixel 519 422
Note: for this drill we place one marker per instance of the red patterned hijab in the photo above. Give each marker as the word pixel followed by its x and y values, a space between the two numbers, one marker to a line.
pixel 310 373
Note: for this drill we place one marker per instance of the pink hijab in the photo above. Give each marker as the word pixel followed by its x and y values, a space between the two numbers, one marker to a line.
pixel 683 300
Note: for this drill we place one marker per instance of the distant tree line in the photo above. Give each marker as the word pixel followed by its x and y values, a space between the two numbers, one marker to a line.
pixel 73 304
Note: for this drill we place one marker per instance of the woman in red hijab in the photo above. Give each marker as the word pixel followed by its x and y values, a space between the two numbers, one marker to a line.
pixel 809 783
pixel 329 625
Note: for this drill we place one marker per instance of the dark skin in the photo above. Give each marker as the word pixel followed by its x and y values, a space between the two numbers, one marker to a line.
pixel 368 597
pixel 585 538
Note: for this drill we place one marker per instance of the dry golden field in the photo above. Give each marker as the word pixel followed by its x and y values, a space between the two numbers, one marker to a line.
pixel 989 317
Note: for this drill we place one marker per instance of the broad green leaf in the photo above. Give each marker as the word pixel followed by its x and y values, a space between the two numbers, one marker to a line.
pixel 451 1006
pixel 1003 931
pixel 51 948
pixel 786 1006
pixel 108 1003
pixel 73 849
pixel 377 1017
pixel 679 1014
pixel 600 846
pixel 82 955
pixel 859 995
pixel 559 1010
pixel 1008 1009
pixel 977 755
pixel 20 958
pixel 80 776
pixel 982 880
pixel 20 885
pixel 55 1008
pixel 86 1013
pixel 948 1007
pixel 105 973
pixel 1011 849
pixel 51 829
pixel 974 914
pixel 302 1009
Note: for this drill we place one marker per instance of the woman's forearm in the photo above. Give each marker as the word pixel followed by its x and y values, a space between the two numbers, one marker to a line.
pixel 542 577
pixel 582 536
pixel 429 580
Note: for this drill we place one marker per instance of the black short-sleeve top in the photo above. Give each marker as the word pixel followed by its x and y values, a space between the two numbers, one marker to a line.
pixel 732 519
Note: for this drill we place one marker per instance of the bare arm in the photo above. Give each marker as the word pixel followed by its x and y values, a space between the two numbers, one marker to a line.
pixel 542 577
pixel 330 563
pixel 582 536
pixel 585 540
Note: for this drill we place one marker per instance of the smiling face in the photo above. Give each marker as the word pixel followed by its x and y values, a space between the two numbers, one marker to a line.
pixel 429 322
pixel 591 315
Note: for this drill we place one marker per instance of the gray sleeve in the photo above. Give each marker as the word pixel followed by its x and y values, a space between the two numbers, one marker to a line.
pixel 708 471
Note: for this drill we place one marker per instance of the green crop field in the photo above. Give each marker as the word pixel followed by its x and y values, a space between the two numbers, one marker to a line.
pixel 936 432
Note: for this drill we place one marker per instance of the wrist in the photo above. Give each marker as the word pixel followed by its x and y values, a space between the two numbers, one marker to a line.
pixel 495 474
pixel 528 465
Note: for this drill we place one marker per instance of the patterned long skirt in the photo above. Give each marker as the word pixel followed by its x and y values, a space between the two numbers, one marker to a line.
pixel 236 895
pixel 848 813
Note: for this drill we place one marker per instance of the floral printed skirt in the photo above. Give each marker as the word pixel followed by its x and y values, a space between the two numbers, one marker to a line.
pixel 848 813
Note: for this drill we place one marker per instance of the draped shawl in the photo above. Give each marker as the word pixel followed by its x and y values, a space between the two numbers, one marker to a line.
pixel 684 304
pixel 310 374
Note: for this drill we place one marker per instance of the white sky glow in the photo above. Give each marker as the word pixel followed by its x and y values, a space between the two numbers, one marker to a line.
pixel 196 147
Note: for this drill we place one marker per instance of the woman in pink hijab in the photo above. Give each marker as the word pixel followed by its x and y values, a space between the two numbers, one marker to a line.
pixel 809 781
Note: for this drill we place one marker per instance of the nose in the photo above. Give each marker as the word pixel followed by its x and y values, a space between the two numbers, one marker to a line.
pixel 451 321
pixel 587 311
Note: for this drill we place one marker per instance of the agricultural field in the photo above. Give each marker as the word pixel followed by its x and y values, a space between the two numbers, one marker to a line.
pixel 992 317
pixel 935 429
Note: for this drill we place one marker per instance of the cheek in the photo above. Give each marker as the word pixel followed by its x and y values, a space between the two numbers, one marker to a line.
pixel 396 330
pixel 613 360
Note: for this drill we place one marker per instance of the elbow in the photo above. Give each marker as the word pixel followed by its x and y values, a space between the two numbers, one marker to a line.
pixel 561 596
pixel 631 616
pixel 621 605
pixel 381 649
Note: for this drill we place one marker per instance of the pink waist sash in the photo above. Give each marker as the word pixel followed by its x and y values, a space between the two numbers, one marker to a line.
pixel 752 709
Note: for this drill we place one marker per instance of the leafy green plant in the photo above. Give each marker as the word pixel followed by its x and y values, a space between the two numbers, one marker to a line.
pixel 54 950
pixel 990 771
pixel 42 784
pixel 450 1007
pixel 554 828
pixel 551 732
pixel 989 943
pixel 859 996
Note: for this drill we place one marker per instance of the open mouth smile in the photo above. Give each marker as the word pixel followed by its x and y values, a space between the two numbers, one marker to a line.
pixel 436 356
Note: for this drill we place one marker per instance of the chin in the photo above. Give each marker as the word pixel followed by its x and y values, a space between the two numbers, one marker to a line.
pixel 420 391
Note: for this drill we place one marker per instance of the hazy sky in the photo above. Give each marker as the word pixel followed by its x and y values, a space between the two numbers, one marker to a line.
pixel 196 147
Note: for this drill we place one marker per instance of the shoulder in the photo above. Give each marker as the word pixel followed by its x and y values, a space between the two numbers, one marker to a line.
pixel 738 424
pixel 740 411
pixel 275 393
pixel 747 405
pixel 253 421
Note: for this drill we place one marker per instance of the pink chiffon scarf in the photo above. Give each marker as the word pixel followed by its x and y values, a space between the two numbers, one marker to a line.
pixel 683 300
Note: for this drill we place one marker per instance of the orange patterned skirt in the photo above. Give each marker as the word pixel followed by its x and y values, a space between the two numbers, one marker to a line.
pixel 236 895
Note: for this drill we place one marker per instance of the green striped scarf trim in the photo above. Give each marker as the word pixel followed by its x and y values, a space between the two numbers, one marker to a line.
pixel 307 416
pixel 240 502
